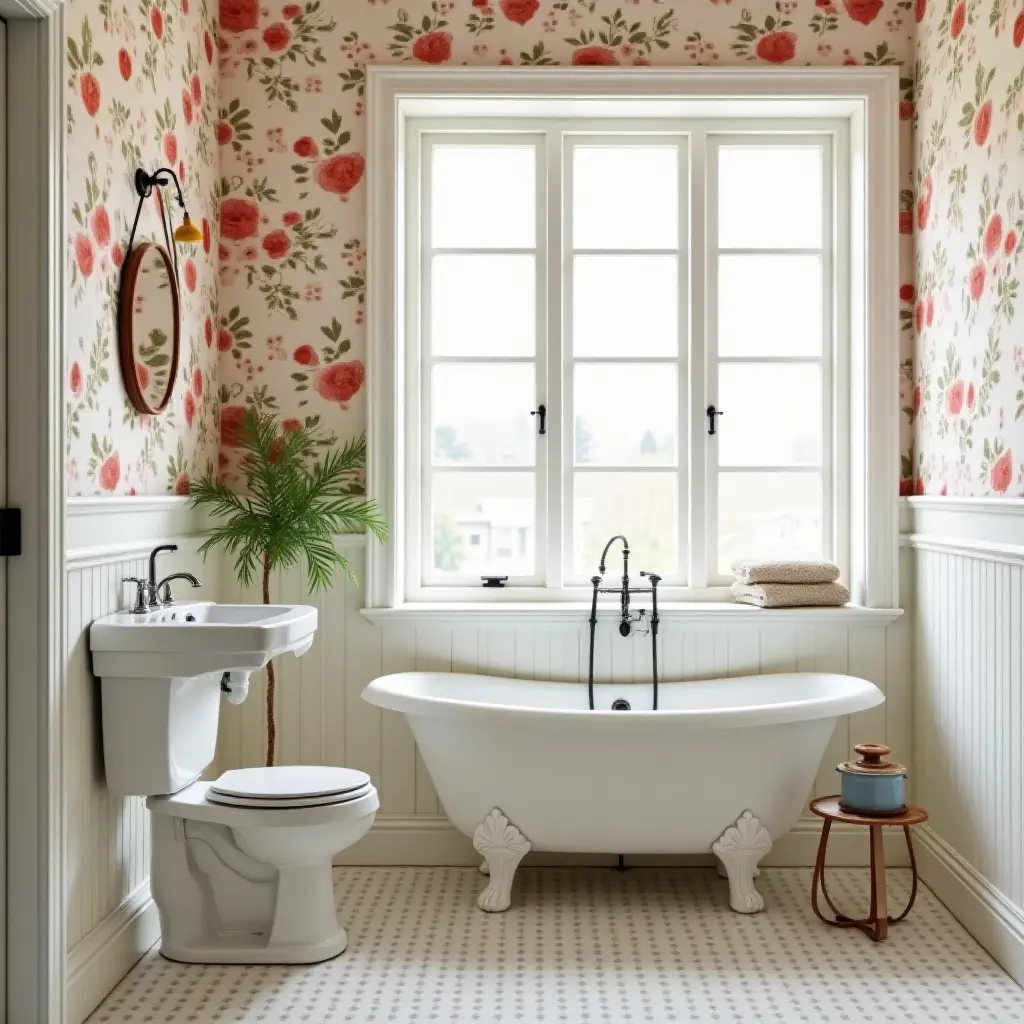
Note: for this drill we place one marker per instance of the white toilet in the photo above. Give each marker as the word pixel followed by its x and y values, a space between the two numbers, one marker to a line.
pixel 241 867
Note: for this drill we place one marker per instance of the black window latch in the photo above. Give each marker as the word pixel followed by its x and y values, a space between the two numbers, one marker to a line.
pixel 713 415
pixel 542 412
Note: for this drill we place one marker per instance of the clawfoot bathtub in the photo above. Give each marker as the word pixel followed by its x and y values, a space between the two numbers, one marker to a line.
pixel 724 765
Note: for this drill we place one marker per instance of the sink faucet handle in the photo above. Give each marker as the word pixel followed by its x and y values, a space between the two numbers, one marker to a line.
pixel 141 594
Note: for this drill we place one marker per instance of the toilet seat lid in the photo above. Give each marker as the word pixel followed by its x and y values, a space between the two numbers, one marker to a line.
pixel 289 786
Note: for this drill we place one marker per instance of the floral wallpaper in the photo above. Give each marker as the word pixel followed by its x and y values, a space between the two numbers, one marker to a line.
pixel 141 88
pixel 968 212
pixel 291 132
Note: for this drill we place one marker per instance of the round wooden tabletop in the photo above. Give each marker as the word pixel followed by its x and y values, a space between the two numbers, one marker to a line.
pixel 828 807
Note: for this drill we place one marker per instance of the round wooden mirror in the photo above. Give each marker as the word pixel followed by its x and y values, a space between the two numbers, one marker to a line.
pixel 149 330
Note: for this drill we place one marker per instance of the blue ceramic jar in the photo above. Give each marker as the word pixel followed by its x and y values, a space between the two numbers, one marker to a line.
pixel 872 785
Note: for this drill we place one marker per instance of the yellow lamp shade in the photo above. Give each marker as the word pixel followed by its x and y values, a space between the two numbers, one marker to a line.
pixel 188 232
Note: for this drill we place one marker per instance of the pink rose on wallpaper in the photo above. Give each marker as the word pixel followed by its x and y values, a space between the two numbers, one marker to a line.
pixel 305 355
pixel 919 317
pixel 291 218
pixel 920 6
pixel 291 11
pixel 1002 471
pixel 993 236
pixel 1010 245
pixel 594 56
pixel 101 226
pixel 924 203
pixel 959 19
pixel 186 106
pixel 76 378
pixel 208 47
pixel 277 244
pixel 906 487
pixel 197 90
pixel 955 397
pixel 239 218
pixel 305 147
pixel 864 11
pixel 340 381
pixel 207 236
pixel 433 48
pixel 288 426
pixel 83 254
pixel 906 222
pixel 224 340
pixel 191 277
pixel 116 254
pixel 223 132
pixel 182 485
pixel 919 486
pixel 276 36
pixel 907 293
pixel 519 11
pixel 231 417
pixel 124 63
pixel 208 331
pixel 190 408
pixel 142 375
pixel 1018 31
pixel 171 147
pixel 929 307
pixel 982 123
pixel 156 20
pixel 776 47
pixel 197 382
pixel 976 280
pixel 970 396
pixel 110 472
pixel 239 15
pixel 341 173
pixel 90 90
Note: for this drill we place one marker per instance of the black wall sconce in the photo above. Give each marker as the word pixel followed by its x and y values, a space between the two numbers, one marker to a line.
pixel 186 232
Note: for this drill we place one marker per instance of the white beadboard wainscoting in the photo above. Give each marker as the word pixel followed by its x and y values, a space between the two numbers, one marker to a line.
pixel 322 718
pixel 111 920
pixel 968 712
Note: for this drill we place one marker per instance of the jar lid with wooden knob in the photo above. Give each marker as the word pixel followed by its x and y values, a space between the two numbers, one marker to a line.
pixel 872 761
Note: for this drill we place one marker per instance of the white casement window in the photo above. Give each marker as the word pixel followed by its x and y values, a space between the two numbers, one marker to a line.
pixel 604 325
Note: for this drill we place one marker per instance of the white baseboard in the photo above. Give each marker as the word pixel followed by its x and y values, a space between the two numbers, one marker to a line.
pixel 422 840
pixel 977 904
pixel 97 963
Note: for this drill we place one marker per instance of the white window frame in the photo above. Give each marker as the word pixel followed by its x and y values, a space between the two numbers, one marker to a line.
pixel 866 98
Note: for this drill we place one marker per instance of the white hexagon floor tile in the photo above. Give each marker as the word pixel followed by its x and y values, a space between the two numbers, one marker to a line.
pixel 590 945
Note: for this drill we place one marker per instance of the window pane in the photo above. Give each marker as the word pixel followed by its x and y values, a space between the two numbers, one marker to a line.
pixel 771 415
pixel 625 305
pixel 768 515
pixel 769 196
pixel 643 506
pixel 484 196
pixel 484 523
pixel 483 306
pixel 481 414
pixel 769 305
pixel 626 415
pixel 625 197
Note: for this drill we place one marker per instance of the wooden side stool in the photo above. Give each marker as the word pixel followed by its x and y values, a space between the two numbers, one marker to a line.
pixel 876 924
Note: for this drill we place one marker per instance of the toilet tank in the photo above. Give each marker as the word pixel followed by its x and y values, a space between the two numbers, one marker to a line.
pixel 158 734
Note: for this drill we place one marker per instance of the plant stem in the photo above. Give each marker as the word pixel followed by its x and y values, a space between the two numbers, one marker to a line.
pixel 271 724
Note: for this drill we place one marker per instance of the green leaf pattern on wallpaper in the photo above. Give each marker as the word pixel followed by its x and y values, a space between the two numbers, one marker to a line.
pixel 141 89
pixel 292 136
pixel 968 399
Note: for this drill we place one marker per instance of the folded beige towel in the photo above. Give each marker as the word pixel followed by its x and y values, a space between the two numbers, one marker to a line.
pixel 785 572
pixel 790 595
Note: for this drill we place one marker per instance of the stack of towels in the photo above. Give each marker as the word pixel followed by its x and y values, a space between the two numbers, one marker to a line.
pixel 783 584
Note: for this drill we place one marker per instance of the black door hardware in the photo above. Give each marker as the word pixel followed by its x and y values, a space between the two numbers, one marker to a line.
pixel 542 412
pixel 713 415
pixel 10 531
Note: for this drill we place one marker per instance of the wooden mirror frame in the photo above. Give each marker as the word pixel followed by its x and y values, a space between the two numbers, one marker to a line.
pixel 125 346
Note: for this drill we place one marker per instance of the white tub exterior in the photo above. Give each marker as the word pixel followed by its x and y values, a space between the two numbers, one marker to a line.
pixel 580 781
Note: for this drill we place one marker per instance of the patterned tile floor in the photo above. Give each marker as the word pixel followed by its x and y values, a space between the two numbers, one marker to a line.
pixel 588 945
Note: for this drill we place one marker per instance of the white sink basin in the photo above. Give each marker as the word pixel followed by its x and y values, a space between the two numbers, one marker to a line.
pixel 196 638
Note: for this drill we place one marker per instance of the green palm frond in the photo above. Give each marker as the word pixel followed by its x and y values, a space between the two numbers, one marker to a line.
pixel 292 506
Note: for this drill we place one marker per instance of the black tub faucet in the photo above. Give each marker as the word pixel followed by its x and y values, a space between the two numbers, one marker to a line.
pixel 624 625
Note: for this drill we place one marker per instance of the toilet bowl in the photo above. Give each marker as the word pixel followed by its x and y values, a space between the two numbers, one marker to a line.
pixel 241 867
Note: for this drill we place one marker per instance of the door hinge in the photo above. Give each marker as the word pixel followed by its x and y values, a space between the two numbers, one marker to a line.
pixel 10 531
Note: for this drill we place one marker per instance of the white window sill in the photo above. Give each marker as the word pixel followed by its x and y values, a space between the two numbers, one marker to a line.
pixel 578 613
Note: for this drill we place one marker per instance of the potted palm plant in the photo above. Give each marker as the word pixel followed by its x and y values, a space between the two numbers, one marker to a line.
pixel 292 508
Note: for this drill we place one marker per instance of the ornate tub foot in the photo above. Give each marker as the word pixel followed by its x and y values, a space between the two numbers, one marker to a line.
pixel 739 849
pixel 503 846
